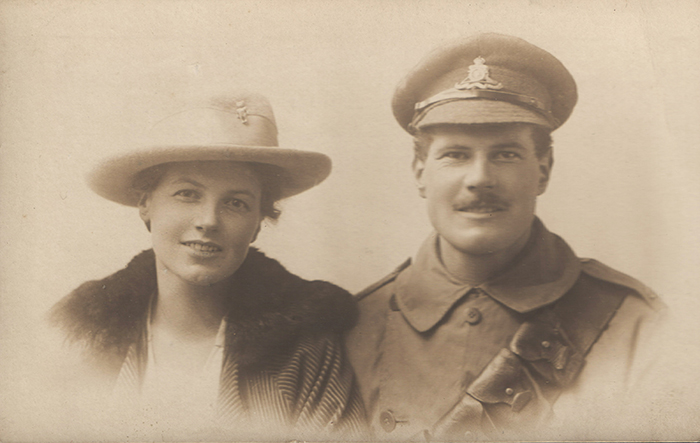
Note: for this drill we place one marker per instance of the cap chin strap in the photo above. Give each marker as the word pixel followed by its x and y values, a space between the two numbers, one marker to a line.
pixel 450 95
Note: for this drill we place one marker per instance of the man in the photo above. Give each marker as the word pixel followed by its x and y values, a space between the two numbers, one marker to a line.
pixel 495 329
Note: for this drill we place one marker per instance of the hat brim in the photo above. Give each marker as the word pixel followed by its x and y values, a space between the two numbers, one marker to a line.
pixel 113 178
pixel 481 111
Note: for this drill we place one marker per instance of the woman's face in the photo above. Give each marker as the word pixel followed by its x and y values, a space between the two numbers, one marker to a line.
pixel 203 217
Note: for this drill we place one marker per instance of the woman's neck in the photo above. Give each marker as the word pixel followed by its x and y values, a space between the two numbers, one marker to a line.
pixel 189 312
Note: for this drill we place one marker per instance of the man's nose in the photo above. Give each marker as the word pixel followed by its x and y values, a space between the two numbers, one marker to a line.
pixel 480 174
pixel 207 218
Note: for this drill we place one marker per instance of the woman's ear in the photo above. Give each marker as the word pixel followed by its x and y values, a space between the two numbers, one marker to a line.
pixel 144 213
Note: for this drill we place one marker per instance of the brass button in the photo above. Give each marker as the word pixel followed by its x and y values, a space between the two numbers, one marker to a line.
pixel 509 391
pixel 387 421
pixel 546 344
pixel 473 316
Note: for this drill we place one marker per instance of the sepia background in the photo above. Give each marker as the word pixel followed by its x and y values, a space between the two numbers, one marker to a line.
pixel 82 80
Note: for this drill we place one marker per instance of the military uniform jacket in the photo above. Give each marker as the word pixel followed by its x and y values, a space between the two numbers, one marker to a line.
pixel 548 338
pixel 283 374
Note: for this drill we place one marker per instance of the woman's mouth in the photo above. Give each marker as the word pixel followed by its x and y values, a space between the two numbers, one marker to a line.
pixel 206 247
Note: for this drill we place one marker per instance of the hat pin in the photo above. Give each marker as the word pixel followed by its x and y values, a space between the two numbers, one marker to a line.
pixel 242 112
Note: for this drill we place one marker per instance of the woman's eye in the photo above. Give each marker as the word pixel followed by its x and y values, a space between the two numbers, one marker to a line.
pixel 238 204
pixel 188 194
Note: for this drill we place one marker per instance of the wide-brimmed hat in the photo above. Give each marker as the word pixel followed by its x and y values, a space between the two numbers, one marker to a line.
pixel 486 78
pixel 238 127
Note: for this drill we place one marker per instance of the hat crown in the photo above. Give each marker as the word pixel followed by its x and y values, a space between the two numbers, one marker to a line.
pixel 487 78
pixel 236 127
pixel 241 120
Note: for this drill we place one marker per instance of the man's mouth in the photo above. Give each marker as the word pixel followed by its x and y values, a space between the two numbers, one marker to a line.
pixel 203 246
pixel 481 207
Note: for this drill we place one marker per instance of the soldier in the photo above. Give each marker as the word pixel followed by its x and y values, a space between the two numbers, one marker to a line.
pixel 495 329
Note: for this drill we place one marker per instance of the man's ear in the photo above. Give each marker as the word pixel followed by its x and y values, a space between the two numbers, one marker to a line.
pixel 546 163
pixel 257 231
pixel 418 168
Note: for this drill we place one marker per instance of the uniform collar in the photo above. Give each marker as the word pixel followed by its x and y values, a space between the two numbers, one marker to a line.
pixel 544 271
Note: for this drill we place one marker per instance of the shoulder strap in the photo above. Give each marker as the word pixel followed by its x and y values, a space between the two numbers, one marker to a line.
pixel 552 343
pixel 555 341
pixel 600 271
pixel 384 281
pixel 585 314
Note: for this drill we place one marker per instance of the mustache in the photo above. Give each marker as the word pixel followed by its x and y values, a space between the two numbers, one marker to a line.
pixel 481 202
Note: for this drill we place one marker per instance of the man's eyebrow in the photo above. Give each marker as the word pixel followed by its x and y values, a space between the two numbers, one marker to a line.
pixel 508 145
pixel 454 146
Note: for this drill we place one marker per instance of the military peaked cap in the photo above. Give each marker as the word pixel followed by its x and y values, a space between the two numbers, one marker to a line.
pixel 487 78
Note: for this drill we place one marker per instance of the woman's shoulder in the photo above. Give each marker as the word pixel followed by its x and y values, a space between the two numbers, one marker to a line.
pixel 310 304
pixel 102 315
pixel 279 308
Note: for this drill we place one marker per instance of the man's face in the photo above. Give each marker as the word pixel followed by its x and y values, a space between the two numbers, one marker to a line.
pixel 481 183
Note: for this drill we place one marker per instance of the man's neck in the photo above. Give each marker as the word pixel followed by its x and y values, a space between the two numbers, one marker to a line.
pixel 477 269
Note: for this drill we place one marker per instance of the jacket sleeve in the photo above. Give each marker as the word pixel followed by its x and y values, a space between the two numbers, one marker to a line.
pixel 320 386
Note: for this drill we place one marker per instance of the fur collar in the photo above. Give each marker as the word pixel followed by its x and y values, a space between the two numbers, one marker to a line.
pixel 269 307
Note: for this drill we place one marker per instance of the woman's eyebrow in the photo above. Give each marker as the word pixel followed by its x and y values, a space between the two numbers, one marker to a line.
pixel 251 194
pixel 188 181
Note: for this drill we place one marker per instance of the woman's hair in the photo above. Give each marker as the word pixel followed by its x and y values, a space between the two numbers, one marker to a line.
pixel 270 176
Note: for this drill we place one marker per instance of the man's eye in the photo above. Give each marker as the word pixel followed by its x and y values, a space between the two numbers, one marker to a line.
pixel 508 155
pixel 187 194
pixel 456 155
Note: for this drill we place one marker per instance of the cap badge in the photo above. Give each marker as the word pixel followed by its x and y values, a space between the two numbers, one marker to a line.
pixel 478 77
pixel 242 112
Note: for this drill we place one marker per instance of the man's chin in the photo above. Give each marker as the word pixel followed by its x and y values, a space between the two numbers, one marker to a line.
pixel 479 243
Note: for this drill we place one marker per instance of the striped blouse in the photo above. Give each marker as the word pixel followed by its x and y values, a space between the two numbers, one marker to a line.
pixel 306 393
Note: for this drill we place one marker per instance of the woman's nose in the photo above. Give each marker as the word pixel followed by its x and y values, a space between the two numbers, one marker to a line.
pixel 480 175
pixel 208 217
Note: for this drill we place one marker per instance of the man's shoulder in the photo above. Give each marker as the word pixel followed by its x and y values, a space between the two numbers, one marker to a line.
pixel 383 282
pixel 610 276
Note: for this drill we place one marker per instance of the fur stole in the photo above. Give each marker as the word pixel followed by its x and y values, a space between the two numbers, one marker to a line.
pixel 269 308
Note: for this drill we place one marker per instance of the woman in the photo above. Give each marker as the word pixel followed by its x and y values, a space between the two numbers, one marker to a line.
pixel 204 331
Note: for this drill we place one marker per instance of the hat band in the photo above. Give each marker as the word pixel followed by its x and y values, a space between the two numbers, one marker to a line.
pixel 451 95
